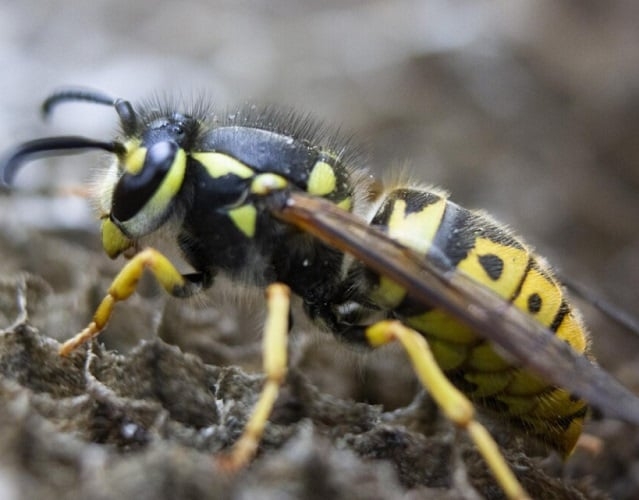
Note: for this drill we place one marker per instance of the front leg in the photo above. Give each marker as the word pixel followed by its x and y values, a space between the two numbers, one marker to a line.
pixel 125 284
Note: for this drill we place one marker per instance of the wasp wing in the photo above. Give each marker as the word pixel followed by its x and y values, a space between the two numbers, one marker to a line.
pixel 516 336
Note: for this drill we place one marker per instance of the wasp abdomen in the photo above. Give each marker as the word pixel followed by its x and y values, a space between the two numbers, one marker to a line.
pixel 472 243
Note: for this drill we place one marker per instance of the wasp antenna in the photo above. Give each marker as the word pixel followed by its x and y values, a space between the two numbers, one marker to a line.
pixel 50 146
pixel 75 94
pixel 123 108
pixel 128 118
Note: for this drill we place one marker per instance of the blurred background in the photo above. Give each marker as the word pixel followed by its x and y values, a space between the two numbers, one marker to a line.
pixel 526 109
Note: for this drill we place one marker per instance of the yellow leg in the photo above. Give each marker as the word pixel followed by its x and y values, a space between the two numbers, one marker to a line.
pixel 453 403
pixel 274 348
pixel 123 286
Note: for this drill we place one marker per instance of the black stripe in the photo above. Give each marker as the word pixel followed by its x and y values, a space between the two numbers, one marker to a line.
pixel 559 317
pixel 520 285
pixel 415 201
pixel 457 234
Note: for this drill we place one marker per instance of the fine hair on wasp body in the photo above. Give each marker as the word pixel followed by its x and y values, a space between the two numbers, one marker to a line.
pixel 230 193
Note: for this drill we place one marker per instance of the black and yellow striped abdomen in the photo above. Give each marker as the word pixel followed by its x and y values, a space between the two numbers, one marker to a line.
pixel 472 243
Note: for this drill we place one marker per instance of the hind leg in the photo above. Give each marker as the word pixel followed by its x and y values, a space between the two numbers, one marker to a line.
pixel 452 402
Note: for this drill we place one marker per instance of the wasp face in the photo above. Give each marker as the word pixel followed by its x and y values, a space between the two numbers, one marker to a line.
pixel 139 191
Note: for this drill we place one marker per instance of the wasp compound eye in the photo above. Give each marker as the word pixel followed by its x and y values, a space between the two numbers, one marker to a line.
pixel 133 191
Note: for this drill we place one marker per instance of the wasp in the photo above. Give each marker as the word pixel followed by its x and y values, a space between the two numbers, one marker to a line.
pixel 270 200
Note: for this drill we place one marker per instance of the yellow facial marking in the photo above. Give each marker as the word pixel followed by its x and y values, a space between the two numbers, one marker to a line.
pixel 113 241
pixel 244 218
pixel 134 160
pixel 171 183
pixel 219 165
pixel 322 179
pixel 161 199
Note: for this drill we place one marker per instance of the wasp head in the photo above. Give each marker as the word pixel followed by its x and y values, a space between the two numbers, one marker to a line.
pixel 136 194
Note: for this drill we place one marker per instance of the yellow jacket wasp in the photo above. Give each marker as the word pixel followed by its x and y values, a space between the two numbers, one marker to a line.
pixel 270 200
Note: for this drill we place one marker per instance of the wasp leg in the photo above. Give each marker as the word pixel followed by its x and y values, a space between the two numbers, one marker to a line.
pixel 274 346
pixel 124 285
pixel 454 404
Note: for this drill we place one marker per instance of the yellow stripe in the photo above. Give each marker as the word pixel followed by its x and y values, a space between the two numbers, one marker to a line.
pixel 488 384
pixel 244 218
pixel 162 198
pixel 449 356
pixel 557 403
pixel 322 179
pixel 219 165
pixel 170 185
pixel 388 294
pixel 572 331
pixel 483 358
pixel 547 290
pixel 525 383
pixel 345 204
pixel 267 183
pixel 416 230
pixel 515 262
pixel 518 405
pixel 440 325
